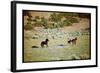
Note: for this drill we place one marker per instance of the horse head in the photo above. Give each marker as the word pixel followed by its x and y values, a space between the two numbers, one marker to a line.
pixel 47 40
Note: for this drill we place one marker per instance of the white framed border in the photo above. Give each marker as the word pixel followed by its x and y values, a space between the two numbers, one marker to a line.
pixel 19 6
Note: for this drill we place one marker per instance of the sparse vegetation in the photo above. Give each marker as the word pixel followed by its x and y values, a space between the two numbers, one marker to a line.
pixel 28 27
pixel 55 20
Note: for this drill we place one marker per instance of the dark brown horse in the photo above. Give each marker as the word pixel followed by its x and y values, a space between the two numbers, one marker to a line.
pixel 44 43
pixel 73 41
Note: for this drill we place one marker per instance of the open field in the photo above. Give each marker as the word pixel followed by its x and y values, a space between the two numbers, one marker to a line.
pixel 58 47
pixel 56 52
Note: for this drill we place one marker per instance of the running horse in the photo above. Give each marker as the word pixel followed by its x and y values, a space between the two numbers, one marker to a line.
pixel 44 43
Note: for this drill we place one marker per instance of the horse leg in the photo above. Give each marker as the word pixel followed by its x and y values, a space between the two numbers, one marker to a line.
pixel 47 44
pixel 42 45
pixel 75 42
pixel 72 41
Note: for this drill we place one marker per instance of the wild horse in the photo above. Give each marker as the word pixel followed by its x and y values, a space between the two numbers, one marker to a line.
pixel 44 43
pixel 72 41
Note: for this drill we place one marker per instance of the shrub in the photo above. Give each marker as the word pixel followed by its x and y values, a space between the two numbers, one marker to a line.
pixel 67 23
pixel 73 20
pixel 28 27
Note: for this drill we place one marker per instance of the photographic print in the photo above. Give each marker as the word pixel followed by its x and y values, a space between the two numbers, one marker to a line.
pixel 48 36
pixel 56 36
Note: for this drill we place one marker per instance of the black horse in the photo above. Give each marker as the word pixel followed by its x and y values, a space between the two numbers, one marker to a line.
pixel 73 41
pixel 44 43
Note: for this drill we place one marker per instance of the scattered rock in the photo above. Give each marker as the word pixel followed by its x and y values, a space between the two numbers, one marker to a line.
pixel 35 47
pixel 61 45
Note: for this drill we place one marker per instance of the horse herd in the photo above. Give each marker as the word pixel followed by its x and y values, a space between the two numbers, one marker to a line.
pixel 70 41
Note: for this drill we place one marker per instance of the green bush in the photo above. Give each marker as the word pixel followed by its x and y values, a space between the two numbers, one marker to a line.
pixel 28 27
pixel 67 23
pixel 73 20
